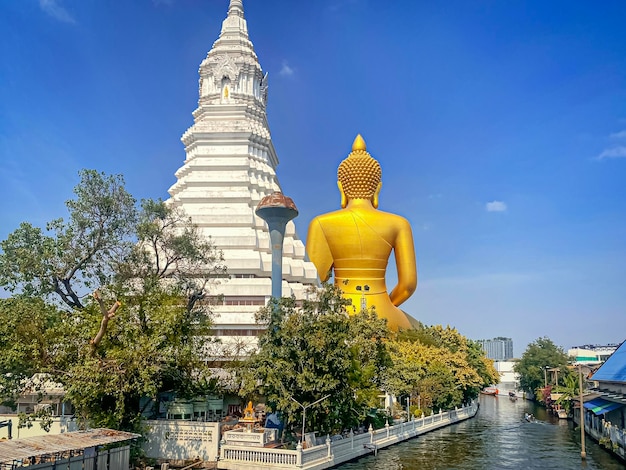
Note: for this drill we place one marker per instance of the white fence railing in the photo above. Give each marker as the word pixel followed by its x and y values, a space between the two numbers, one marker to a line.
pixel 330 453
pixel 261 456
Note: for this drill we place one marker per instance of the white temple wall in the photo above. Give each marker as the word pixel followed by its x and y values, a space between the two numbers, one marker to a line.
pixel 182 440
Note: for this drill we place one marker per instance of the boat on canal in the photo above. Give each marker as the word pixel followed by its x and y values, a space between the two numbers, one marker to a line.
pixel 529 417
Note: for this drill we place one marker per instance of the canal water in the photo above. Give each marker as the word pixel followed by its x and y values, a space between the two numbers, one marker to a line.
pixel 498 437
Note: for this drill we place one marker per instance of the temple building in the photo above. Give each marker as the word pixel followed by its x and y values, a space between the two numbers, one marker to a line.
pixel 230 166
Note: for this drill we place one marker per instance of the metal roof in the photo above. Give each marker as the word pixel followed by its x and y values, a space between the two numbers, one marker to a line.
pixel 614 369
pixel 19 449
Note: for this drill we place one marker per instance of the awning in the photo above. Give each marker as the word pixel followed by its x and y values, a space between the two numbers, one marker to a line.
pixel 600 406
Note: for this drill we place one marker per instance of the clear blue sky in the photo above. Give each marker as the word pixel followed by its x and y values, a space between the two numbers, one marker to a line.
pixel 500 127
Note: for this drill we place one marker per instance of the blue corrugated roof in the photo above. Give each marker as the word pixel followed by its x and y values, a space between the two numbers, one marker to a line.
pixel 614 369
pixel 600 406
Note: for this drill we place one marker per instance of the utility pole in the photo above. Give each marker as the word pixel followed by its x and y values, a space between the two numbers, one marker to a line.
pixel 583 454
pixel 304 407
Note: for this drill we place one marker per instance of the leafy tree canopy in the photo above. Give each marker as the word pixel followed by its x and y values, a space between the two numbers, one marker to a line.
pixel 317 351
pixel 539 356
pixel 81 253
pixel 439 365
pixel 27 329
pixel 110 303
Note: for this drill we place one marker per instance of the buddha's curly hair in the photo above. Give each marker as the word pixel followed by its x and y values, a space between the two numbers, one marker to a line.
pixel 359 175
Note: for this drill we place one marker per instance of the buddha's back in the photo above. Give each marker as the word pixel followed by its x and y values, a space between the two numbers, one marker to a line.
pixel 360 238
pixel 354 243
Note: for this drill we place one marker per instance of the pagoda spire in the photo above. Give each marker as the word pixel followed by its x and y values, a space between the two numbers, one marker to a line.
pixel 231 74
pixel 235 8
pixel 234 34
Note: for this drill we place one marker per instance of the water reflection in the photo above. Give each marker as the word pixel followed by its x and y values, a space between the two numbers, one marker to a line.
pixel 497 438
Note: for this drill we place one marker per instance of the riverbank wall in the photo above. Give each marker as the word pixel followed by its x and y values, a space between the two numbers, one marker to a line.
pixel 332 453
pixel 606 434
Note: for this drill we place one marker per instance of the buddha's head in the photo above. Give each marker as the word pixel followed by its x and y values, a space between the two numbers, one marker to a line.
pixel 359 175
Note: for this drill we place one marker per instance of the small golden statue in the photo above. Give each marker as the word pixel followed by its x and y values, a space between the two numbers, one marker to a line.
pixel 248 413
pixel 357 240
pixel 249 418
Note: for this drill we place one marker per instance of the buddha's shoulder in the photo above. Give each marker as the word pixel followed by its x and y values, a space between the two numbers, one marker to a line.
pixel 391 220
pixel 330 216
pixel 325 221
pixel 398 218
pixel 391 215
pixel 343 214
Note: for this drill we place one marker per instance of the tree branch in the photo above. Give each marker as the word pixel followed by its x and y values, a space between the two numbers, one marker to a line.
pixel 81 262
pixel 68 288
pixel 66 298
pixel 193 298
pixel 106 316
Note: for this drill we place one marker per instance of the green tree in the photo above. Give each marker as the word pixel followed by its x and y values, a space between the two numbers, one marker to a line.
pixel 27 330
pixel 81 253
pixel 567 391
pixel 409 364
pixel 539 355
pixel 484 367
pixel 440 365
pixel 438 388
pixel 314 351
pixel 130 285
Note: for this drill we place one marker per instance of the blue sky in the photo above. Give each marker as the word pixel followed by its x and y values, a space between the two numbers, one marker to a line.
pixel 500 127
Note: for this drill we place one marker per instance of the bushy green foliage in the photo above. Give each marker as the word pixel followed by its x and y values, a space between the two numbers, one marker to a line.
pixel 109 303
pixel 567 391
pixel 439 365
pixel 80 254
pixel 27 329
pixel 316 350
pixel 539 355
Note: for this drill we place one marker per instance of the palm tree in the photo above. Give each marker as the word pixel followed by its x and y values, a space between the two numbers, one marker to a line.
pixel 567 391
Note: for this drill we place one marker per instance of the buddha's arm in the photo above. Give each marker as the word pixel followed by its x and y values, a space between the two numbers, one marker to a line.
pixel 318 250
pixel 405 262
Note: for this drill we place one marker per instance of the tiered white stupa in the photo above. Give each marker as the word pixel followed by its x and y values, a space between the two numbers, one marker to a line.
pixel 230 166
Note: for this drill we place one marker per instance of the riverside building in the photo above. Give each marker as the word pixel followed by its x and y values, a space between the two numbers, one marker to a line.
pixel 230 166
pixel 591 354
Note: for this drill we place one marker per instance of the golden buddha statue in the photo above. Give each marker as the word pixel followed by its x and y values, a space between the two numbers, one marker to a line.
pixel 356 242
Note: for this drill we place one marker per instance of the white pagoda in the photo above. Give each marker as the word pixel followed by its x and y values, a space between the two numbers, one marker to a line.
pixel 229 167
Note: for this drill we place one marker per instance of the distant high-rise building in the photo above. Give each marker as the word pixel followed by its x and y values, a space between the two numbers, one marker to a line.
pixel 498 349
